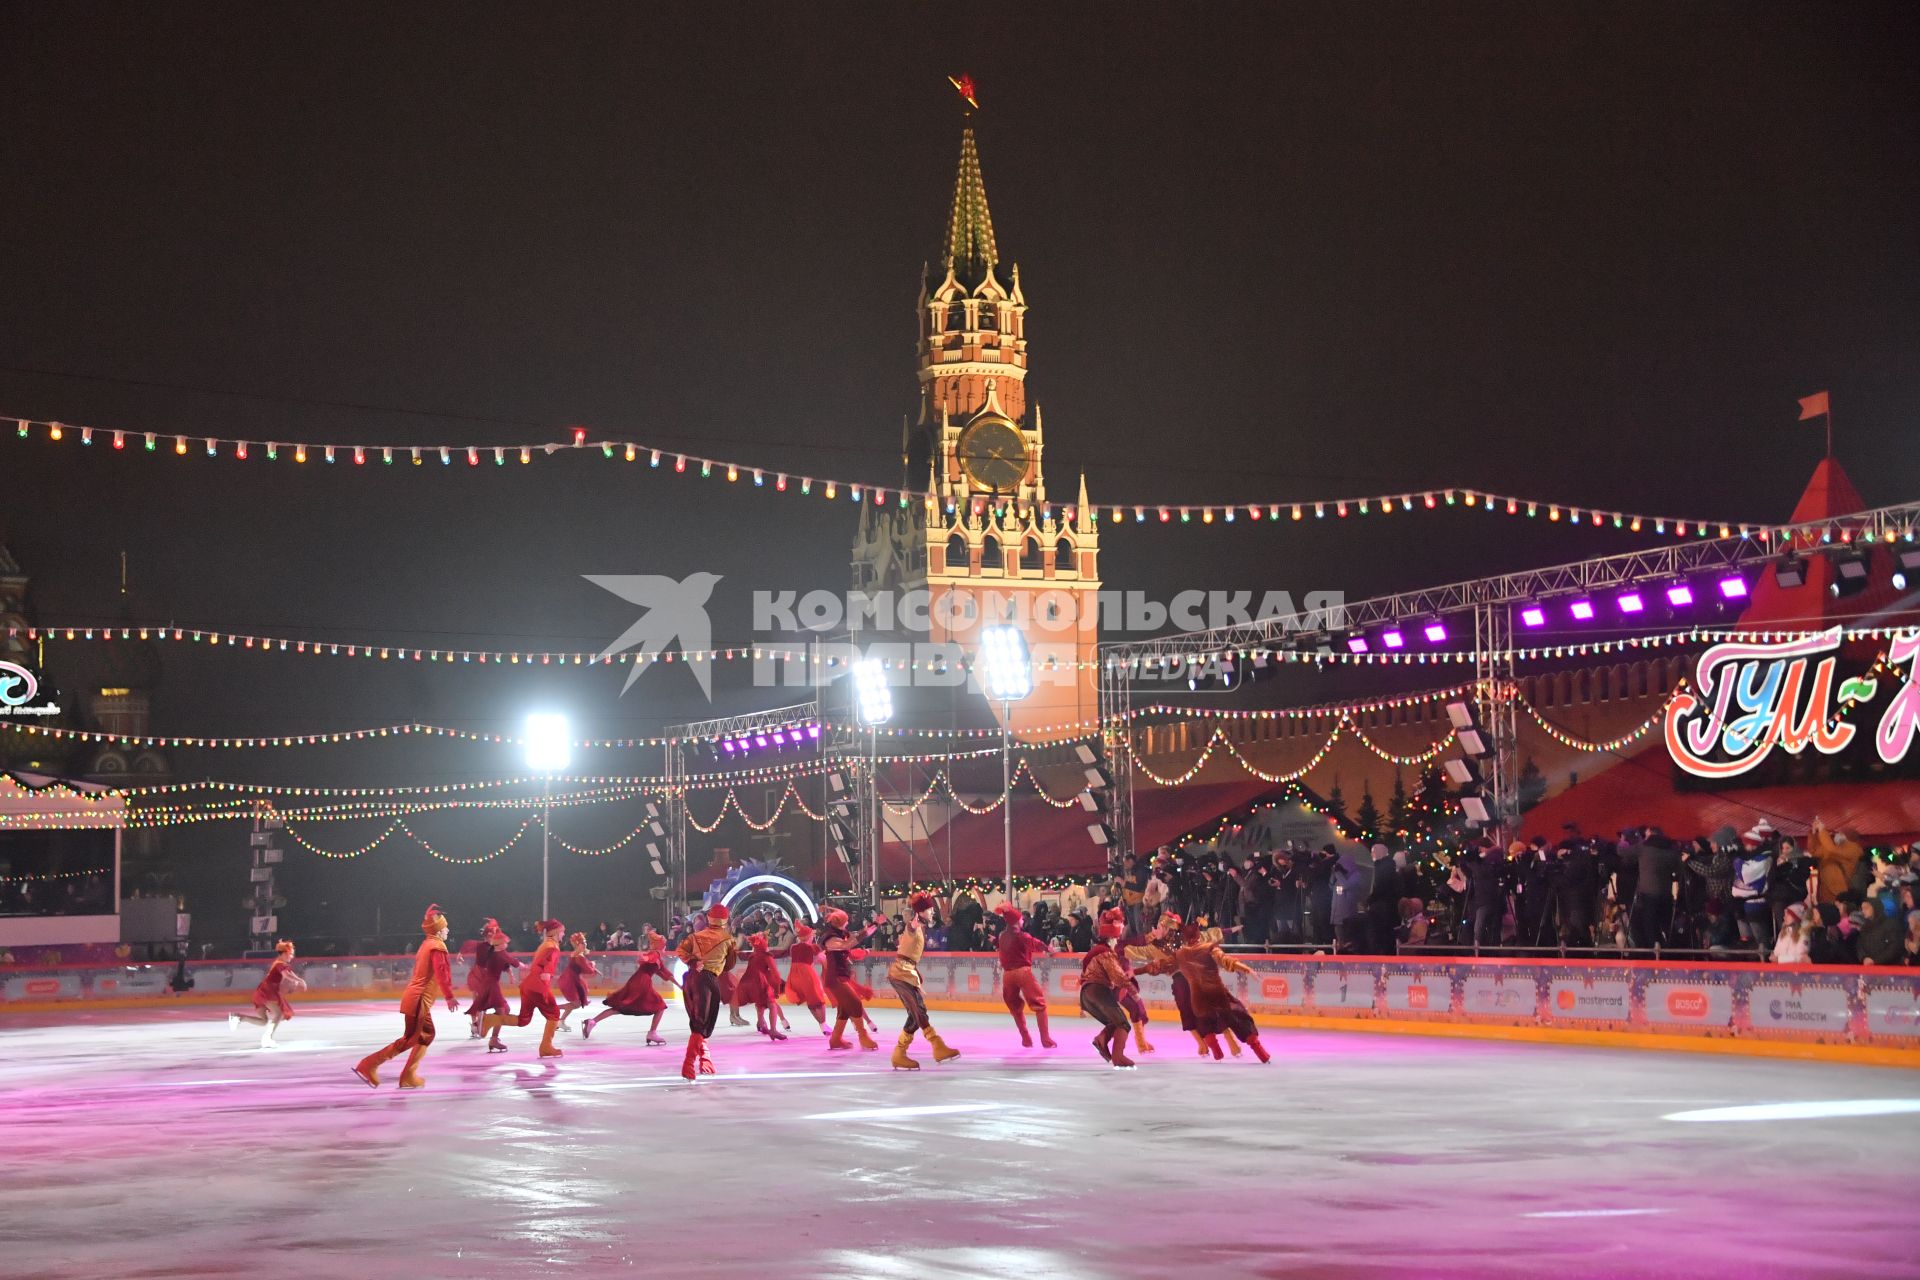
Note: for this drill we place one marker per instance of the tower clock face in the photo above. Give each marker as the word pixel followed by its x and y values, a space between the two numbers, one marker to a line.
pixel 994 454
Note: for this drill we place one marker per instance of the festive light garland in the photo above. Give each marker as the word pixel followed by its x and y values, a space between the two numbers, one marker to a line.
pixel 683 463
pixel 512 840
pixel 56 875
pixel 1170 663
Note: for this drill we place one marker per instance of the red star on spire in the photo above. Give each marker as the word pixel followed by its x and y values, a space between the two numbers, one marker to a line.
pixel 963 84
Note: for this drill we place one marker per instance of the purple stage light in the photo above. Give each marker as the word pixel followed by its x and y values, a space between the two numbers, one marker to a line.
pixel 1436 632
pixel 779 738
pixel 1679 595
pixel 813 731
pixel 1582 611
pixel 1392 638
pixel 1632 602
pixel 729 746
pixel 760 740
pixel 1533 616
pixel 1733 588
pixel 1356 644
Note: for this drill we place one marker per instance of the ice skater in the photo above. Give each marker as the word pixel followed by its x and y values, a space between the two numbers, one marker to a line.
pixel 903 975
pixel 638 997
pixel 270 1006
pixel 849 996
pixel 536 994
pixel 1160 943
pixel 1129 994
pixel 1018 987
pixel 430 971
pixel 491 961
pixel 803 980
pixel 730 986
pixel 760 987
pixel 1102 979
pixel 1215 1010
pixel 573 982
pixel 708 952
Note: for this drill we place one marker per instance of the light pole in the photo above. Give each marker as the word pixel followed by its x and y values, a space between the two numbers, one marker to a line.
pixel 1007 667
pixel 875 706
pixel 549 745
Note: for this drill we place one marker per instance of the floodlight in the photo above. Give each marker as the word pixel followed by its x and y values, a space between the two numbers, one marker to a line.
pixel 549 742
pixel 1006 662
pixel 870 687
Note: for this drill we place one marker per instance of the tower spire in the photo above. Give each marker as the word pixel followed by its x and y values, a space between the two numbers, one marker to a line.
pixel 970 249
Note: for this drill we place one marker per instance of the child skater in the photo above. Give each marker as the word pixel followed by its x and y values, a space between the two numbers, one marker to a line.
pixel 760 986
pixel 573 982
pixel 269 1005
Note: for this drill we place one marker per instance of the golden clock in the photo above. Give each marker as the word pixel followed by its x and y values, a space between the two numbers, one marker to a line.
pixel 994 455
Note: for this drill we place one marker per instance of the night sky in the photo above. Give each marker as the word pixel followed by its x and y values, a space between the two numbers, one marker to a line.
pixel 1272 253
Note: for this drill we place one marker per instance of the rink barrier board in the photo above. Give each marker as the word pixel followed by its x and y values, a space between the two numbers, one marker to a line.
pixel 1814 1011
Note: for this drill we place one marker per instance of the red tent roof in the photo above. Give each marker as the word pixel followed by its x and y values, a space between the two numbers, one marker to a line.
pixel 1050 841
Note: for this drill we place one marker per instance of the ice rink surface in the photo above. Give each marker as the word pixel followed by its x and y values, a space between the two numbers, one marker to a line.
pixel 160 1143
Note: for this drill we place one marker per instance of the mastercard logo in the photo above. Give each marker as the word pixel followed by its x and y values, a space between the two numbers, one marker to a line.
pixel 1565 998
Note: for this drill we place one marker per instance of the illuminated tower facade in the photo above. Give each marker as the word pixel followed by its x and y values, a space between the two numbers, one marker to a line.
pixel 990 545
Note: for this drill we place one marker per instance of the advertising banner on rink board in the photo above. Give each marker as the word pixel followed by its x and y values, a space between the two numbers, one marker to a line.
pixel 1693 1000
pixel 1500 992
pixel 1344 988
pixel 1798 1003
pixel 1422 992
pixel 1590 996
pixel 1275 990
pixel 1892 1009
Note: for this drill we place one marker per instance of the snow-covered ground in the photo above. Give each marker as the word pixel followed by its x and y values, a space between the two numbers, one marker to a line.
pixel 162 1144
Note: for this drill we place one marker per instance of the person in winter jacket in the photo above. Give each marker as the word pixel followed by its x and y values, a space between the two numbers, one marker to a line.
pixel 1352 883
pixel 1750 872
pixel 1880 940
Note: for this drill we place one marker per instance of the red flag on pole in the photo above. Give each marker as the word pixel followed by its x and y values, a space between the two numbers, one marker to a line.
pixel 1816 405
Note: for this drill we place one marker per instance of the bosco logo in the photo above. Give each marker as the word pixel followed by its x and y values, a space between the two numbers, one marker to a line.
pixel 973 982
pixel 1565 998
pixel 1687 1003
pixel 1274 988
pixel 41 986
pixel 1417 996
pixel 1069 982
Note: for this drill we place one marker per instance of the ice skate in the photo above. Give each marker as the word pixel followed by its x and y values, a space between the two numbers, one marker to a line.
pixel 901 1062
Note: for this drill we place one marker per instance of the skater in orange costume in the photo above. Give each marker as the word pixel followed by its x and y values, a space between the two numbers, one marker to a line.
pixel 430 971
pixel 536 994
pixel 269 1004
pixel 573 979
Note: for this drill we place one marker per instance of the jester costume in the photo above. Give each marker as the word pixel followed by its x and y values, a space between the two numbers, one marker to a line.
pixel 903 975
pixel 849 996
pixel 1018 987
pixel 430 972
pixel 1102 978
pixel 536 994
pixel 491 961
pixel 708 953
pixel 1216 1012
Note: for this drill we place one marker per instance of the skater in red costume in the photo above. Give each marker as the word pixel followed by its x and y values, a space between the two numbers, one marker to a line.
pixel 536 994
pixel 1018 987
pixel 803 980
pixel 708 953
pixel 638 996
pixel 269 1004
pixel 904 976
pixel 760 986
pixel 1215 1010
pixel 491 961
pixel 573 979
pixel 430 971
pixel 849 997
pixel 1102 979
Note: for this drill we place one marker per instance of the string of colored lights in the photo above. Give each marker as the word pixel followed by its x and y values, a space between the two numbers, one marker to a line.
pixel 1599 746
pixel 44 876
pixel 681 463
pixel 512 840
pixel 1171 663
